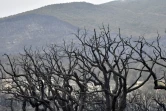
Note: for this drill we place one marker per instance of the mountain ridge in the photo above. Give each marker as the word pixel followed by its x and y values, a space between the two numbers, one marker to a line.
pixel 57 22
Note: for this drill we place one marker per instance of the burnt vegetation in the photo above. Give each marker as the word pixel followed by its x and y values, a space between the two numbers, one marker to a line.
pixel 99 73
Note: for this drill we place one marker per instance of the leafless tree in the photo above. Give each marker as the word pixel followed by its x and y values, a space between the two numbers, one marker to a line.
pixel 109 62
pixel 151 56
pixel 45 79
pixel 93 74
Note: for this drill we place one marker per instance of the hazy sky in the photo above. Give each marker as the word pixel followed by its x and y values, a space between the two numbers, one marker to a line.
pixel 10 7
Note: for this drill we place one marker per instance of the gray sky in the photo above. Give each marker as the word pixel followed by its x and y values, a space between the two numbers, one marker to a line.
pixel 11 7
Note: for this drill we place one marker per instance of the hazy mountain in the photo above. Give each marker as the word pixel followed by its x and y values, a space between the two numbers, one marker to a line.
pixel 136 17
pixel 53 23
pixel 32 30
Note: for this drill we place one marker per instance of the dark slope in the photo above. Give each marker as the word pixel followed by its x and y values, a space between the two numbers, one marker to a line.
pixel 32 29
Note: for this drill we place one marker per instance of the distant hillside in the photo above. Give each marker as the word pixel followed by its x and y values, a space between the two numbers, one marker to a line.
pixel 53 23
pixel 32 30
pixel 134 17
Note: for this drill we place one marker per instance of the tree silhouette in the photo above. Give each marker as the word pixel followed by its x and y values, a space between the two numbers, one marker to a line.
pixel 96 73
